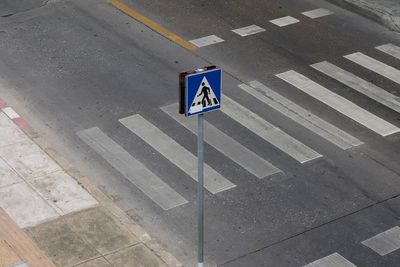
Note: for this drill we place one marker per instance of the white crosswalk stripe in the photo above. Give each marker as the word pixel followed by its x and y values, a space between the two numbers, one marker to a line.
pixel 175 153
pixel 301 115
pixel 339 103
pixel 375 66
pixel 284 21
pixel 151 185
pixel 390 49
pixel 268 132
pixel 360 85
pixel 226 145
pixel 333 260
pixel 386 242
pixel 208 40
pixel 317 13
pixel 249 30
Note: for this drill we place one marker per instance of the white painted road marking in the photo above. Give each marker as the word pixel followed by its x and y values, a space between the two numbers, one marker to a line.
pixel 25 206
pixel 268 132
pixel 226 145
pixel 317 13
pixel 208 40
pixel 175 153
pixel 151 185
pixel 301 115
pixel 63 192
pixel 390 49
pixel 10 113
pixel 285 21
pixel 376 66
pixel 339 103
pixel 333 260
pixel 360 85
pixel 249 30
pixel 386 242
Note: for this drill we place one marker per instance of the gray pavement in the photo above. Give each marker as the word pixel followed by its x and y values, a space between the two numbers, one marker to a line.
pixel 74 65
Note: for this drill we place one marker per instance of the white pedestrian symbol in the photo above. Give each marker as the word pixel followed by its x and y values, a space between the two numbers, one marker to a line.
pixel 205 97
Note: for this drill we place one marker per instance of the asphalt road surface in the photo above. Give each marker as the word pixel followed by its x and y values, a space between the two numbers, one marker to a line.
pixel 302 160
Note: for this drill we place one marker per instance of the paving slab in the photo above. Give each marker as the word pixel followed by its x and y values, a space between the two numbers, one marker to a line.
pixel 99 262
pixel 63 192
pixel 61 244
pixel 25 206
pixel 136 256
pixel 98 228
pixel 20 264
pixel 28 160
pixel 9 132
pixel 7 175
pixel 7 255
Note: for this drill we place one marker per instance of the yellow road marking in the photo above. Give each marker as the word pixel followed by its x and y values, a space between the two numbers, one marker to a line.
pixel 151 24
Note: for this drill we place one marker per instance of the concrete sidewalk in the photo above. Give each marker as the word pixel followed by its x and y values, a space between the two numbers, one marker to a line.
pixel 49 217
pixel 386 12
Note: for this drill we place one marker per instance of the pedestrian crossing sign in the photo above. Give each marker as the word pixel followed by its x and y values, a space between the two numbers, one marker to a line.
pixel 203 91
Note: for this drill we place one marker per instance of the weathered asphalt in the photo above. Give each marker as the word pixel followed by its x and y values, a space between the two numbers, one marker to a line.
pixel 72 65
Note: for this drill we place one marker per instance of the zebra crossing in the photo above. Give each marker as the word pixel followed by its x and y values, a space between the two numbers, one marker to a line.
pixel 174 152
pixel 167 198
pixel 226 145
pixel 151 185
pixel 376 66
pixel 339 103
pixel 383 244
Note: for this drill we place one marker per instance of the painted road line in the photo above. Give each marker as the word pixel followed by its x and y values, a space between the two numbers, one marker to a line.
pixel 339 103
pixel 268 132
pixel 151 24
pixel 226 145
pixel 390 49
pixel 175 153
pixel 151 185
pixel 249 30
pixel 317 13
pixel 360 85
pixel 386 242
pixel 25 206
pixel 301 115
pixel 10 112
pixel 208 40
pixel 375 66
pixel 285 21
pixel 63 192
pixel 333 260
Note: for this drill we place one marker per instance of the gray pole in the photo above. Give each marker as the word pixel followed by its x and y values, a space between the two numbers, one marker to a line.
pixel 200 189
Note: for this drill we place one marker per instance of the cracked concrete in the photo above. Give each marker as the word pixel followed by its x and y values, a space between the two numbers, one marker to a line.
pixel 386 12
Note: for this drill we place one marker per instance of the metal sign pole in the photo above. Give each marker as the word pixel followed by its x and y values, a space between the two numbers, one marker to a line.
pixel 200 188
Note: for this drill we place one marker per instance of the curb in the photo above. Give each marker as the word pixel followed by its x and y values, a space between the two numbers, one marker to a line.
pixel 381 16
pixel 120 216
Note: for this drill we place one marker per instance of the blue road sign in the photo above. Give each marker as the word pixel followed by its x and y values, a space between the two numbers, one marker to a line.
pixel 203 92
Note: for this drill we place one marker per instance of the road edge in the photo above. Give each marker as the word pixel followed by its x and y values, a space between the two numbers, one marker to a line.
pixel 382 15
